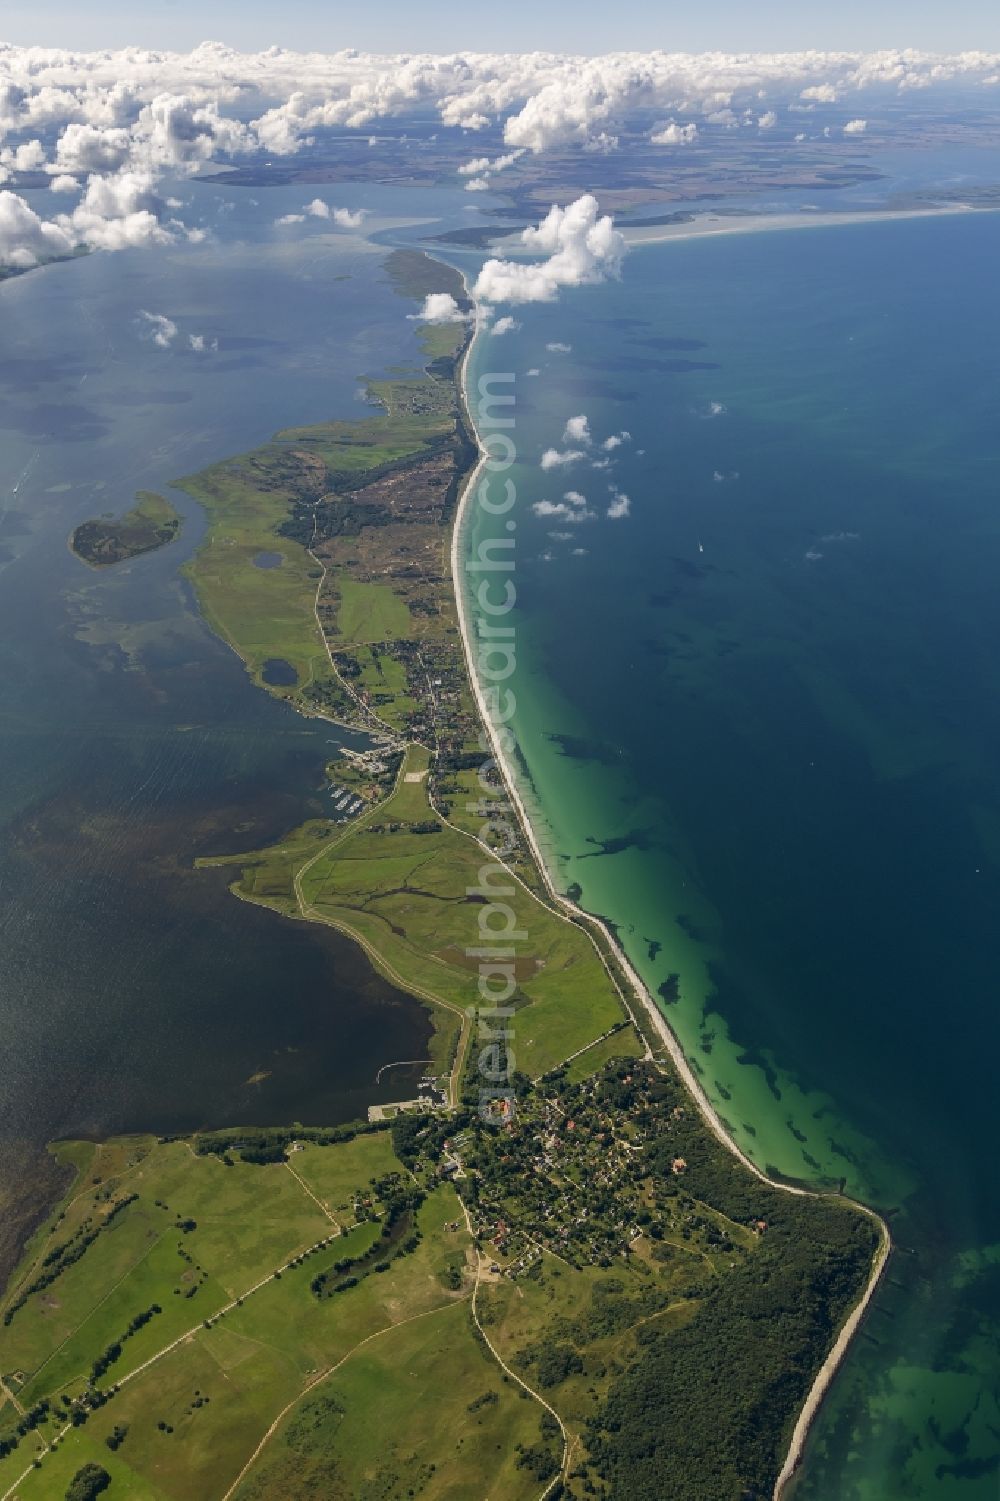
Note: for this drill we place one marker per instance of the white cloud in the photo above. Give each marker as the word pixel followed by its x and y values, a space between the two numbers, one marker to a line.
pixel 439 307
pixel 26 238
pixel 27 157
pixel 577 430
pixel 572 508
pixel 620 505
pixel 855 127
pixel 673 134
pixel 202 344
pixel 616 440
pixel 506 325
pixel 148 113
pixel 552 458
pixel 88 148
pixel 533 371
pixel 556 348
pixel 159 328
pixel 582 248
pixel 64 184
pixel 345 218
pixel 119 213
pixel 291 219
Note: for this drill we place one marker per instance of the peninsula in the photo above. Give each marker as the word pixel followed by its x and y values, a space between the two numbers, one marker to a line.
pixel 584 1291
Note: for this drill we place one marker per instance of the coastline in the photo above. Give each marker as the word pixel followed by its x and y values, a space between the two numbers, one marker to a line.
pixel 711 226
pixel 574 913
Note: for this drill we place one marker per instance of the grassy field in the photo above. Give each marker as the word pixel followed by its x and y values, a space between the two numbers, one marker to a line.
pixel 264 614
pixel 402 1379
pixel 622 1044
pixel 370 1431
pixel 225 1363
pixel 406 885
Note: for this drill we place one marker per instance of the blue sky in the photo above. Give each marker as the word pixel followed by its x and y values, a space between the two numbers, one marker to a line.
pixel 516 26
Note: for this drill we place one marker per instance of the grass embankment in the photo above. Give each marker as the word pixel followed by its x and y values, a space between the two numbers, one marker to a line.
pixel 103 541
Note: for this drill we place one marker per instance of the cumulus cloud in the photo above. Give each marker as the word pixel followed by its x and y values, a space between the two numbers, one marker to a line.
pixel 27 157
pixel 581 246
pixel 616 440
pixel 855 127
pixel 480 167
pixel 202 344
pixel 119 213
pixel 673 134
pixel 291 219
pixel 345 218
pixel 87 148
pixel 620 505
pixel 506 325
pixel 553 458
pixel 26 238
pixel 572 508
pixel 556 348
pixel 160 329
pixel 64 183
pixel 439 307
pixel 577 430
pixel 153 113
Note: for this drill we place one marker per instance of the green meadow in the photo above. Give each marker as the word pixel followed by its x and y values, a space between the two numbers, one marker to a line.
pixel 409 887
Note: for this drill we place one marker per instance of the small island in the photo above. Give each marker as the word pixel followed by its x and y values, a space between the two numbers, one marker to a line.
pixel 103 541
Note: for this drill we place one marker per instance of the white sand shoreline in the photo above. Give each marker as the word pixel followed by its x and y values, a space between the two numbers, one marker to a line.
pixel 710 226
pixel 661 1027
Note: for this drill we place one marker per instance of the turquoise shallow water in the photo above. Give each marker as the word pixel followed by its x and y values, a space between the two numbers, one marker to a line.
pixel 758 726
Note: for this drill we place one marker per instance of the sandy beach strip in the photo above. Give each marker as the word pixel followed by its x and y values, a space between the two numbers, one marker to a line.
pixel 709 226
pixel 660 1026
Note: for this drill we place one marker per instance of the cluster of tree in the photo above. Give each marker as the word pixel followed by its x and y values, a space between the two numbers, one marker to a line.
pixel 270 1144
pixel 417 1136
pixel 61 1257
pixel 552 1363
pixel 25 1425
pixel 397 1221
pixel 88 1483
pixel 539 1462
pixel 114 1350
pixel 703 1413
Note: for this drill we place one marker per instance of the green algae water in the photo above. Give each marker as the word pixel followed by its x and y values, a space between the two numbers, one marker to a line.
pixel 759 733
